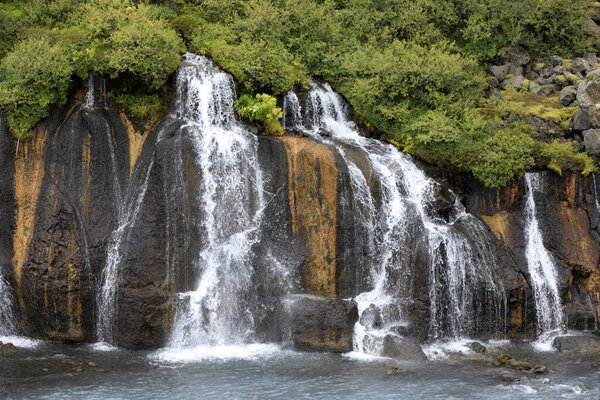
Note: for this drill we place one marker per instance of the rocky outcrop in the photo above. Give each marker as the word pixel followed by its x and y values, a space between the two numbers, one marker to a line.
pixel 323 324
pixel 568 217
pixel 312 186
pixel 402 349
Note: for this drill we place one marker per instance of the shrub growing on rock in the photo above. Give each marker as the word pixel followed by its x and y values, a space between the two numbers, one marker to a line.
pixel 262 108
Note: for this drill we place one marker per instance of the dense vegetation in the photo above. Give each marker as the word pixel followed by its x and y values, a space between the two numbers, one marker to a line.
pixel 414 71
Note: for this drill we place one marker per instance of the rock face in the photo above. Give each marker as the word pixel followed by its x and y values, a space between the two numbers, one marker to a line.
pixel 323 324
pixel 568 217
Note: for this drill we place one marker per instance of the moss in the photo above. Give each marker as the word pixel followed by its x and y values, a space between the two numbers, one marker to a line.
pixel 555 168
pixel 573 78
pixel 561 78
pixel 543 107
pixel 509 76
pixel 526 84
pixel 537 67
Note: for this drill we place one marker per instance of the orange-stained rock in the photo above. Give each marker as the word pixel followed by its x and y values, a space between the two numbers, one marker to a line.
pixel 312 182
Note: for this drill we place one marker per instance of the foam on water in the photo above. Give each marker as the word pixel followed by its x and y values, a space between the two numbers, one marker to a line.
pixel 252 351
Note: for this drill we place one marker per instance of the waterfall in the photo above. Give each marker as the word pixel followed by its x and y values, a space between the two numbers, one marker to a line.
pixel 7 326
pixel 216 310
pixel 544 282
pixel 400 223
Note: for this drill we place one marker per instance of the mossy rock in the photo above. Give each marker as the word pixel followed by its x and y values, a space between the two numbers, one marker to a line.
pixel 509 76
pixel 561 78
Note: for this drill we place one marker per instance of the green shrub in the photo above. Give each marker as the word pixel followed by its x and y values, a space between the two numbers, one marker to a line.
pixel 141 107
pixel 560 156
pixel 262 108
pixel 35 76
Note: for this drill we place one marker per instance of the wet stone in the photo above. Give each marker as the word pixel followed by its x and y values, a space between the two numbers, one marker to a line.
pixel 510 378
pixel 477 347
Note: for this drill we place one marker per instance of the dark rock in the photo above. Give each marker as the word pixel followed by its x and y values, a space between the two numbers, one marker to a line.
pixel 500 71
pixel 591 140
pixel 402 349
pixel 588 96
pixel 517 82
pixel 516 70
pixel 546 71
pixel 581 121
pixel 323 324
pixel 517 56
pixel 371 317
pixel 591 59
pixel 584 343
pixel 555 61
pixel 7 348
pixel 580 65
pixel 510 378
pixel 567 95
pixel 477 347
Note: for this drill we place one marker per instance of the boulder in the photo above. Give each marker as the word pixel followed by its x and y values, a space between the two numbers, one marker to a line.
pixel 500 71
pixel 591 58
pixel 546 71
pixel 540 369
pixel 556 61
pixel 371 317
pixel 517 82
pixel 580 65
pixel 591 140
pixel 395 371
pixel 7 348
pixel 323 324
pixel 588 96
pixel 584 343
pixel 517 56
pixel 506 360
pixel 402 349
pixel 567 95
pixel 477 347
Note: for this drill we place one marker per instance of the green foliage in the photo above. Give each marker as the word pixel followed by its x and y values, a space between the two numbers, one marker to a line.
pixel 559 156
pixel 494 154
pixel 32 78
pixel 141 107
pixel 262 108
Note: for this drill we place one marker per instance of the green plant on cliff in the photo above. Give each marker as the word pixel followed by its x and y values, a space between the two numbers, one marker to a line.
pixel 262 108
pixel 140 106
pixel 32 79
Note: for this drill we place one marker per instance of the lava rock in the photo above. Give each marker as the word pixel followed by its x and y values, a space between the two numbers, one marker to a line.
pixel 517 56
pixel 477 347
pixel 371 317
pixel 567 95
pixel 500 71
pixel 402 349
pixel 591 140
pixel 7 348
pixel 584 343
pixel 517 82
pixel 323 324
pixel 588 95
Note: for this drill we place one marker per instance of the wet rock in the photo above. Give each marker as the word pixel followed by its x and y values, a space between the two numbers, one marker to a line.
pixel 584 343
pixel 7 348
pixel 507 360
pixel 540 369
pixel 392 371
pixel 591 140
pixel 510 378
pixel 371 317
pixel 323 324
pixel 477 347
pixel 402 349
pixel 567 95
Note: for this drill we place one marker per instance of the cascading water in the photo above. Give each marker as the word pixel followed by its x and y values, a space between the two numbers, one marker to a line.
pixel 401 217
pixel 549 312
pixel 7 326
pixel 216 310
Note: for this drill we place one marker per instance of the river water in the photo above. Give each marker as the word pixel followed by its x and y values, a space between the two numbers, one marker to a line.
pixel 51 371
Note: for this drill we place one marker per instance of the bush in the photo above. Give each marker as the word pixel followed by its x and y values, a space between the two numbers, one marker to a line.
pixel 262 108
pixel 558 156
pixel 141 107
pixel 35 76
